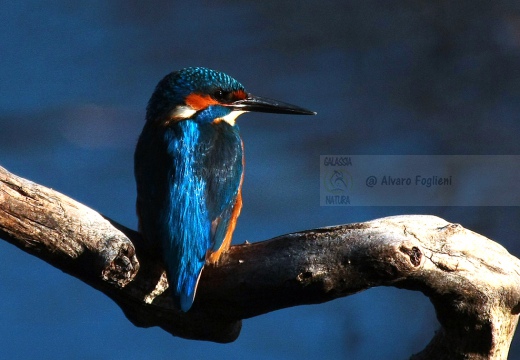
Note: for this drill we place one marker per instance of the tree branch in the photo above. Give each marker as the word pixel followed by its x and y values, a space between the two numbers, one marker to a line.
pixel 473 283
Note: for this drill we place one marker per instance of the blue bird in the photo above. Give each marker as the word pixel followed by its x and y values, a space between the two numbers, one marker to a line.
pixel 189 164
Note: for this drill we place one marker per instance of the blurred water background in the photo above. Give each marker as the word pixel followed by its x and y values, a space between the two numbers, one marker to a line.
pixel 386 77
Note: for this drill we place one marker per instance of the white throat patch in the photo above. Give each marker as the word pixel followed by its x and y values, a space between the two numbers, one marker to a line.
pixel 232 116
pixel 182 112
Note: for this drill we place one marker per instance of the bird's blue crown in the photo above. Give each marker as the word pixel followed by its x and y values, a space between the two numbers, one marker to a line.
pixel 175 87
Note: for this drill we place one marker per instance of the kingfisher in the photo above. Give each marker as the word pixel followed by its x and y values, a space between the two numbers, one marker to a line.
pixel 189 169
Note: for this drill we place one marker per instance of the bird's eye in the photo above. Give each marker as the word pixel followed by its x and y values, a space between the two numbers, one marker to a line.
pixel 223 96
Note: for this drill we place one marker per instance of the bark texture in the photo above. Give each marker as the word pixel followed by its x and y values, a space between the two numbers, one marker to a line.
pixel 473 282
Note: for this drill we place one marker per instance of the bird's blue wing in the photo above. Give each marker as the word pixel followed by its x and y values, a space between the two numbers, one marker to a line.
pixel 171 206
pixel 223 176
pixel 187 225
pixel 188 180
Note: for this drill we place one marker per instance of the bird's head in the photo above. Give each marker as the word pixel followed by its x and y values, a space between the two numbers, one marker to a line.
pixel 206 95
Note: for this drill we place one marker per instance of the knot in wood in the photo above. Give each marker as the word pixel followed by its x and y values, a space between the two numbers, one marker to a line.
pixel 414 254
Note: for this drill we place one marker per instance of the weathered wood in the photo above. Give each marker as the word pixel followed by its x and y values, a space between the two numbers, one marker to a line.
pixel 473 282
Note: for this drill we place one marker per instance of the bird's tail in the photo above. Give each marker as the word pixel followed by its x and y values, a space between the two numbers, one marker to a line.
pixel 185 290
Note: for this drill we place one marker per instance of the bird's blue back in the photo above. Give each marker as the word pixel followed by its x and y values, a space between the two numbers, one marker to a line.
pixel 188 174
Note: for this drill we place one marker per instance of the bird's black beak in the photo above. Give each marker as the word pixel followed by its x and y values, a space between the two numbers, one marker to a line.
pixel 261 104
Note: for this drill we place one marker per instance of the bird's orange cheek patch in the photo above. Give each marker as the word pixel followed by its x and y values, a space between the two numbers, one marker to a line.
pixel 239 95
pixel 199 101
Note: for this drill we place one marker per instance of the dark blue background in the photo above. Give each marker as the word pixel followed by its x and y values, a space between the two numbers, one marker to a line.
pixel 386 77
